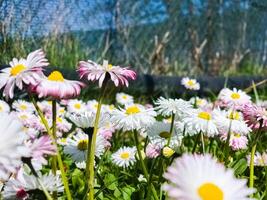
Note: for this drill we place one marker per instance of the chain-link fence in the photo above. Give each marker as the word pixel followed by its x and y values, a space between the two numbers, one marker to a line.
pixel 153 36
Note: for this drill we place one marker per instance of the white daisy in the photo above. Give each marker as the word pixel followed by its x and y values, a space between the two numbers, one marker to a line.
pixel 230 119
pixel 133 117
pixel 107 108
pixel 199 102
pixel 12 146
pixel 159 132
pixel 23 106
pixel 92 106
pixel 76 106
pixel 21 187
pixel 77 145
pixel 124 157
pixel 124 99
pixel 86 119
pixel 4 107
pixel 166 107
pixel 201 121
pixel 22 71
pixel 233 98
pixel 195 177
pixel 190 84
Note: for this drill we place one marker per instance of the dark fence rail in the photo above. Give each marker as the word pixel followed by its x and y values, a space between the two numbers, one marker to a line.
pixel 170 85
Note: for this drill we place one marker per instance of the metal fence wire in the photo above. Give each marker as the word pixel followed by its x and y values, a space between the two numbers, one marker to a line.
pixel 153 36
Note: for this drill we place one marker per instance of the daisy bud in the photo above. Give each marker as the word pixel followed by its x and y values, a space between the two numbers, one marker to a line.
pixel 168 152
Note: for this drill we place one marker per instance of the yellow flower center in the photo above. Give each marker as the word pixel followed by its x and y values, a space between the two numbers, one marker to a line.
pixel 56 76
pixel 23 107
pixel 237 135
pixel 200 102
pixel 165 134
pixel 132 110
pixel 124 97
pixel 235 95
pixel 95 105
pixel 77 106
pixel 82 145
pixel 204 115
pixel 62 110
pixel 209 191
pixel 23 117
pixel 59 119
pixel 109 66
pixel 234 115
pixel 17 69
pixel 111 107
pixel 190 82
pixel 125 155
pixel 1 108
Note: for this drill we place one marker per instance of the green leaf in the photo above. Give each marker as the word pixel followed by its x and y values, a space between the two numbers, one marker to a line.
pixel 127 192
pixel 240 166
pixel 117 193
pixel 111 181
pixel 77 180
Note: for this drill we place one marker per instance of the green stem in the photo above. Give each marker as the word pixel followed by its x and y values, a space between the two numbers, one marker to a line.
pixel 252 155
pixel 154 193
pixel 227 146
pixel 196 142
pixel 202 142
pixel 59 159
pixel 48 197
pixel 90 162
pixel 90 137
pixel 54 132
pixel 171 129
pixel 251 169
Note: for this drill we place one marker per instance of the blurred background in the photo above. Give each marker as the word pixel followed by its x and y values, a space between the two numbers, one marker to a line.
pixel 166 37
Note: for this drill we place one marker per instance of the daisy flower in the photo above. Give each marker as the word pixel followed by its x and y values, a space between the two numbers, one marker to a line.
pixel 159 132
pixel 167 107
pixel 85 120
pixel 4 107
pixel 259 159
pixel 201 121
pixel 22 187
pixel 27 119
pixel 76 106
pixel 39 148
pixel 77 145
pixel 56 87
pixel 124 157
pixel 23 106
pixel 198 177
pixel 93 71
pixel 92 105
pixel 237 141
pixel 233 98
pixel 63 125
pixel 133 117
pixel 199 102
pixel 230 119
pixel 23 71
pixel 254 114
pixel 12 146
pixel 190 84
pixel 153 150
pixel 124 99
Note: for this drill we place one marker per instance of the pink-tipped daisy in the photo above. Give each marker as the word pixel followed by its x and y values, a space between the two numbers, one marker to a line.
pixel 255 115
pixel 237 141
pixel 233 98
pixel 195 177
pixel 93 71
pixel 56 87
pixel 22 71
